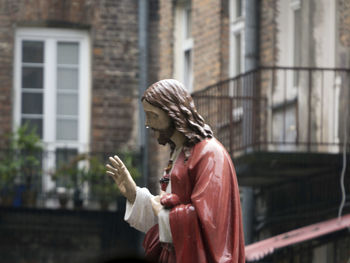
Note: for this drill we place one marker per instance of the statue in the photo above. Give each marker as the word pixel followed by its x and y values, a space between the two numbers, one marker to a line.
pixel 197 216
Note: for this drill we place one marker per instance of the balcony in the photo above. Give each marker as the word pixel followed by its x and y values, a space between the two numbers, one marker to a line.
pixel 60 206
pixel 61 179
pixel 278 117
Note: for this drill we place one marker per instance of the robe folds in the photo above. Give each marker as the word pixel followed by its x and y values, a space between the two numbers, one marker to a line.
pixel 206 224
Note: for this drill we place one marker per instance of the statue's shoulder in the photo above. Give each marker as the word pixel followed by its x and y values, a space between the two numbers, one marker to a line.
pixel 208 146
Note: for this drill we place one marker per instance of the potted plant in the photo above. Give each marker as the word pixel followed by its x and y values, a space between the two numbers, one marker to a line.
pixel 102 187
pixel 8 170
pixel 90 169
pixel 69 181
pixel 21 164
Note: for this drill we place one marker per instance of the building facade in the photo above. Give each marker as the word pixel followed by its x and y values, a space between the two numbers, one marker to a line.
pixel 70 69
pixel 271 77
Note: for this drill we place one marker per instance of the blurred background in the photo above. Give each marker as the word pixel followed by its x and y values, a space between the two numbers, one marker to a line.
pixel 271 77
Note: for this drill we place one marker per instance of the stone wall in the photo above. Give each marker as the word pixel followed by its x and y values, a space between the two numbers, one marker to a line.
pixel 45 235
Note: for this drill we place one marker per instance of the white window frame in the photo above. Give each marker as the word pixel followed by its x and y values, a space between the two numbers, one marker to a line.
pixel 50 37
pixel 182 45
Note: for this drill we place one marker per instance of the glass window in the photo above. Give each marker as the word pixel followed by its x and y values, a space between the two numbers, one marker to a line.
pixel 33 51
pixel 238 52
pixel 66 129
pixel 188 68
pixel 67 104
pixel 32 84
pixel 188 22
pixel 51 70
pixel 67 53
pixel 67 78
pixel 32 103
pixel 32 77
pixel 297 45
pixel 239 7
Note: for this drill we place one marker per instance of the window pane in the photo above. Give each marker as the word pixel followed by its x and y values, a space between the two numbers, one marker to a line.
pixel 238 8
pixel 32 103
pixel 33 51
pixel 238 52
pixel 67 104
pixel 67 78
pixel 32 78
pixel 188 22
pixel 188 70
pixel 67 129
pixel 64 156
pixel 67 53
pixel 36 124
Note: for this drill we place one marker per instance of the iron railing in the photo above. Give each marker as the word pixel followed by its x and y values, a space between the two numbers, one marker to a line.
pixel 45 179
pixel 279 109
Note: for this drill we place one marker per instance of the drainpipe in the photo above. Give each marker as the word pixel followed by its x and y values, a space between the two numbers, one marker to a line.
pixel 143 81
pixel 250 63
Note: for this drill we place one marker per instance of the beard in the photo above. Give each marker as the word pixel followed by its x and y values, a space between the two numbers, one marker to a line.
pixel 165 134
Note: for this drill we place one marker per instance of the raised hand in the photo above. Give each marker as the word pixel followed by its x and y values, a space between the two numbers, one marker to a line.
pixel 117 170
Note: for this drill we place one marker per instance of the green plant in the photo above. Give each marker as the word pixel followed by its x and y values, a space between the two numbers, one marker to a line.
pixel 22 160
pixel 70 175
pixel 91 169
pixel 102 186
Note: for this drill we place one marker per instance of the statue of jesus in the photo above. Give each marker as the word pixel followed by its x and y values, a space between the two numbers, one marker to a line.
pixel 197 216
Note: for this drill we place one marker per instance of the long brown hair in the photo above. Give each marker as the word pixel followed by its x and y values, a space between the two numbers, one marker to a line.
pixel 171 96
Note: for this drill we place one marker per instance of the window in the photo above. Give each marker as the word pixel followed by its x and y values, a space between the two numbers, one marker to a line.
pixel 52 90
pixel 295 5
pixel 236 65
pixel 183 44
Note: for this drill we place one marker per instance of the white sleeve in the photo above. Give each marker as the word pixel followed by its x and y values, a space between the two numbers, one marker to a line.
pixel 140 214
pixel 164 226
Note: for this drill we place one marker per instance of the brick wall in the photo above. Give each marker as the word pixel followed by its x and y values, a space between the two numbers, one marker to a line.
pixel 114 39
pixel 7 8
pixel 206 33
pixel 160 60
pixel 268 31
pixel 344 22
pixel 115 74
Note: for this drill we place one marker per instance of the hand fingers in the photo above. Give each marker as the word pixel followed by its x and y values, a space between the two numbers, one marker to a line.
pixel 112 169
pixel 112 175
pixel 121 164
pixel 114 162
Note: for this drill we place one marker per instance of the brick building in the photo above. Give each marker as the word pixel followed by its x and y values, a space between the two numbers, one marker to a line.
pixel 70 69
pixel 281 67
pixel 275 64
pixel 105 35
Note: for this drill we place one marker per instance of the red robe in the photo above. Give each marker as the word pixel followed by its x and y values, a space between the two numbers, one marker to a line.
pixel 206 226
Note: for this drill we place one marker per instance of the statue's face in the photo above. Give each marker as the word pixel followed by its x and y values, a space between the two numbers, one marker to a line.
pixel 159 121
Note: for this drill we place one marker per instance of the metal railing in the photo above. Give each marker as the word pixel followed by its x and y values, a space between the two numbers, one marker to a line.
pixel 279 109
pixel 60 179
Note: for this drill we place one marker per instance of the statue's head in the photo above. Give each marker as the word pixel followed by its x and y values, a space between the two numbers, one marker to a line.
pixel 169 97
